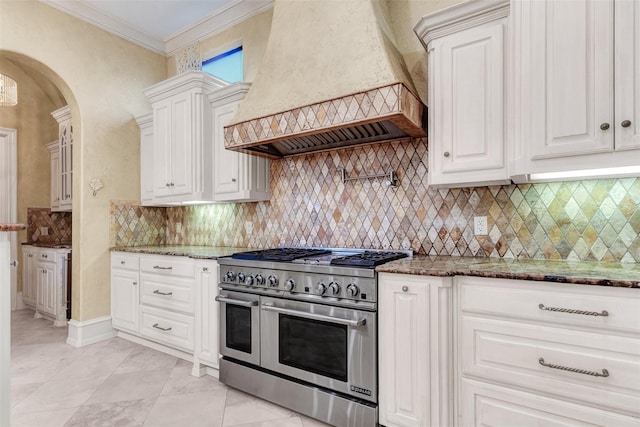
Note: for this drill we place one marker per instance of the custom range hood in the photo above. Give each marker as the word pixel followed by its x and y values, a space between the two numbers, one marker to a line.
pixel 331 77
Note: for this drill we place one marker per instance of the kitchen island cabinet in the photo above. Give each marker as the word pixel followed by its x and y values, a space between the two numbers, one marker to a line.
pixel 416 375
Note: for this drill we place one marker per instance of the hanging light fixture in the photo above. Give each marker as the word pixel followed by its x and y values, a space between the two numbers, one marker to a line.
pixel 8 91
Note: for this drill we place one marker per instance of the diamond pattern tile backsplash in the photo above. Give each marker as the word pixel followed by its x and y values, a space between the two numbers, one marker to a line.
pixel 310 206
pixel 58 226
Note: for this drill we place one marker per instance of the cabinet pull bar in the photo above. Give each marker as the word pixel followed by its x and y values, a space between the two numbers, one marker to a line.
pixel 162 293
pixel 603 374
pixel 157 267
pixel 604 313
pixel 155 325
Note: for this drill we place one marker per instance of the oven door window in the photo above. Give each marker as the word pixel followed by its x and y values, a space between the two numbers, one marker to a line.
pixel 238 324
pixel 314 346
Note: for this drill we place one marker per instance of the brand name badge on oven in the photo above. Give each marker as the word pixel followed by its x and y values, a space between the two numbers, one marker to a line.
pixel 361 390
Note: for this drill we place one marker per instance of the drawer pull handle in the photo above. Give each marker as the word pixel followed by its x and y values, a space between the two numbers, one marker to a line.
pixel 155 325
pixel 157 292
pixel 162 268
pixel 603 374
pixel 604 313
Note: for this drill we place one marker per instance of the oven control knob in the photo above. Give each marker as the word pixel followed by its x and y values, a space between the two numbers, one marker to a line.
pixel 241 277
pixel 334 288
pixel 273 281
pixel 353 290
pixel 259 280
pixel 248 280
pixel 230 276
pixel 320 288
pixel 289 285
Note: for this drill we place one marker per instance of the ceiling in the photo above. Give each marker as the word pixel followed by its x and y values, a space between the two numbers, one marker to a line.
pixel 163 26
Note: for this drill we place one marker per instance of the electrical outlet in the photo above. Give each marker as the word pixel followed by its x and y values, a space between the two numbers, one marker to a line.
pixel 44 231
pixel 178 227
pixel 480 225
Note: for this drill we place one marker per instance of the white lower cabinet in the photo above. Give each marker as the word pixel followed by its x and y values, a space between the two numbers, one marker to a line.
pixel 206 316
pixel 44 282
pixel 546 354
pixel 167 301
pixel 415 370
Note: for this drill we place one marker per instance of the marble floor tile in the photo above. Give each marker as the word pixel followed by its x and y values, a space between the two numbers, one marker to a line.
pixel 204 409
pixel 181 381
pixel 130 386
pixel 146 359
pixel 20 391
pixel 128 413
pixel 55 418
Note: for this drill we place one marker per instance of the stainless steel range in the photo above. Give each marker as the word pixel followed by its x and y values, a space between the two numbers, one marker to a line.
pixel 298 327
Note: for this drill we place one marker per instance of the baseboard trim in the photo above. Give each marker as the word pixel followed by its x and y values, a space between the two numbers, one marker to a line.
pixel 156 346
pixel 90 331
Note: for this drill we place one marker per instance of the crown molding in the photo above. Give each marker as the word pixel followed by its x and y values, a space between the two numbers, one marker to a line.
pixel 215 23
pixel 212 24
pixel 93 16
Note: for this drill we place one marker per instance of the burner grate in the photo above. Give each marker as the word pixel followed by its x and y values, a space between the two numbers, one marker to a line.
pixel 368 259
pixel 280 254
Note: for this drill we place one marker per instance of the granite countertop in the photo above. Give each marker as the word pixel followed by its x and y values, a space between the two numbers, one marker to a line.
pixel 12 227
pixel 197 252
pixel 580 272
pixel 51 245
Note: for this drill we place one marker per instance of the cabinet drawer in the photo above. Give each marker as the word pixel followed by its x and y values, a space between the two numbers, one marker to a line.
pixel 172 329
pixel 490 405
pixel 124 260
pixel 591 367
pixel 168 266
pixel 608 308
pixel 172 293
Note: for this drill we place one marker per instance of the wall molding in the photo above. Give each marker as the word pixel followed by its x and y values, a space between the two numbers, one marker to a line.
pixel 90 331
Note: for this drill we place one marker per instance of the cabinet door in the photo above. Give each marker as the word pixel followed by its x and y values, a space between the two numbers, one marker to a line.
pixel 124 299
pixel 182 141
pixel 46 288
pixel 567 64
pixel 55 180
pixel 467 135
pixel 66 164
pixel 161 147
pixel 404 353
pixel 29 270
pixel 207 313
pixel 227 169
pixel 146 164
pixel 627 65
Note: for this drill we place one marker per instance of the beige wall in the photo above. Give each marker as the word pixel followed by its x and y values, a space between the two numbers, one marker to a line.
pixel 102 77
pixel 252 34
pixel 36 127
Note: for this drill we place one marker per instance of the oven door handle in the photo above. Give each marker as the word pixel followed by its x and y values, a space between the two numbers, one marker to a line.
pixel 353 323
pixel 220 298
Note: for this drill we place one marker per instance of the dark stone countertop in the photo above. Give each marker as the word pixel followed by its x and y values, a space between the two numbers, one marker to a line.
pixel 580 272
pixel 197 252
pixel 12 227
pixel 50 245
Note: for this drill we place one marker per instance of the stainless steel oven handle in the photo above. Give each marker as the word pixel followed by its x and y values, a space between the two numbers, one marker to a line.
pixel 220 298
pixel 353 323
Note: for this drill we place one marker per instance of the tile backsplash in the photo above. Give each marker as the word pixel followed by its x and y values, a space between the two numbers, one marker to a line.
pixel 58 225
pixel 310 206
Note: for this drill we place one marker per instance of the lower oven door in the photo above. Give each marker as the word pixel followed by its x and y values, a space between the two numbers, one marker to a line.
pixel 332 347
pixel 239 325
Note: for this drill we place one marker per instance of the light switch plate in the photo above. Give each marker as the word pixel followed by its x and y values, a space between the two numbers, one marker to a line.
pixel 480 225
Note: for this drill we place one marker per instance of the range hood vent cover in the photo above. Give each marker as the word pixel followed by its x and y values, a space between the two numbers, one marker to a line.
pixel 331 77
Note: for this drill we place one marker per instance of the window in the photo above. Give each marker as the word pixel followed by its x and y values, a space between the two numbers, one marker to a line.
pixel 226 66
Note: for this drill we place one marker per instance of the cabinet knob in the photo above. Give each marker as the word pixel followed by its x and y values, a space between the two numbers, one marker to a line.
pixel 233 180
pixel 604 126
pixel 626 123
pixel 446 154
pixel 171 184
pixel 14 263
pixel 135 283
pixel 205 269
pixel 122 262
pixel 405 289
pixel 167 184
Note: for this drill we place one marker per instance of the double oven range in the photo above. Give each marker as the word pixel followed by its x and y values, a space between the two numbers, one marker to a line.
pixel 298 327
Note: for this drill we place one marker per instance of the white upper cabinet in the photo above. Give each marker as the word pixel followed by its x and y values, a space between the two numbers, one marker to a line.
pixel 237 176
pixel 146 158
pixel 466 47
pixel 65 160
pixel 181 149
pixel 54 152
pixel 576 85
pixel 182 154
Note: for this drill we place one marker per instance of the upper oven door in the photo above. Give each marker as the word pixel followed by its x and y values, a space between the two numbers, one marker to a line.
pixel 331 347
pixel 239 325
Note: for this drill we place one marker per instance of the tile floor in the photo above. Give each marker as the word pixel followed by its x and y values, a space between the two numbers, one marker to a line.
pixel 119 383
